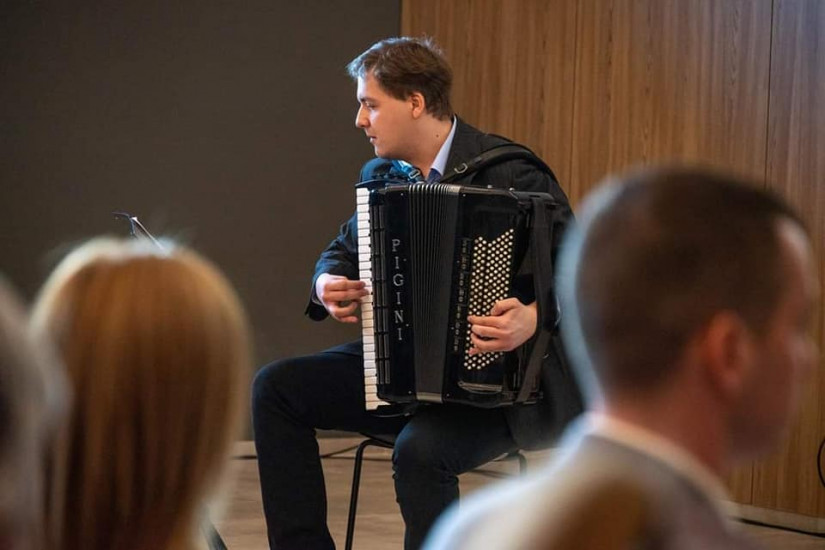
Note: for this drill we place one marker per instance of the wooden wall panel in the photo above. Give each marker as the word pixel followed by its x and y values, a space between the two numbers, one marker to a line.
pixel 660 80
pixel 595 87
pixel 796 168
pixel 513 63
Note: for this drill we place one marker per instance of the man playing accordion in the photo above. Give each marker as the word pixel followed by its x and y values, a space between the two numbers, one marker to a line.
pixel 403 91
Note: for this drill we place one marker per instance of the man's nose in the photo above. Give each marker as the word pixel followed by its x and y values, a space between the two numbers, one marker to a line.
pixel 361 120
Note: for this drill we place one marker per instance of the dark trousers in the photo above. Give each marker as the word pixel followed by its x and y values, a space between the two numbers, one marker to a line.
pixel 291 398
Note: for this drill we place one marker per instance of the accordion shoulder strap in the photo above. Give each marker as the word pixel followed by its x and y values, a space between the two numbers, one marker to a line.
pixel 540 244
pixel 497 155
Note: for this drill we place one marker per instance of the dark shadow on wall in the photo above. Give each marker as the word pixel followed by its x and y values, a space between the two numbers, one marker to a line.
pixel 226 124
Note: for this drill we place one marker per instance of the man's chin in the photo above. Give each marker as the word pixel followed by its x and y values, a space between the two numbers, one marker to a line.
pixel 382 153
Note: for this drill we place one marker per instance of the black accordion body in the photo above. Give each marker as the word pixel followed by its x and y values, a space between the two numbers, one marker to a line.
pixel 434 254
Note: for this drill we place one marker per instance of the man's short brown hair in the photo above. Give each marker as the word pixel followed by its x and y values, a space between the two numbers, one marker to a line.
pixel 657 254
pixel 405 65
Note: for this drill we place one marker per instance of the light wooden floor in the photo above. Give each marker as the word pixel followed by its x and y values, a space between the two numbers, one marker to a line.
pixel 379 524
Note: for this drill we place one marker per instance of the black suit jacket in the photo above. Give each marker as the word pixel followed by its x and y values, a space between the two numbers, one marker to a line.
pixel 534 425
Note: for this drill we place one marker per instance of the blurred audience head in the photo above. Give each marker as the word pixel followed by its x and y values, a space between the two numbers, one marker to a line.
pixel 691 284
pixel 32 396
pixel 157 352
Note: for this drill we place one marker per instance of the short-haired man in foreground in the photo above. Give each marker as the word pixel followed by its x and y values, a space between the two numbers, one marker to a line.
pixel 687 299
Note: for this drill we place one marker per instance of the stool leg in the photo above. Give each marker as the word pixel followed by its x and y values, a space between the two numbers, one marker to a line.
pixel 213 538
pixel 353 499
pixel 522 464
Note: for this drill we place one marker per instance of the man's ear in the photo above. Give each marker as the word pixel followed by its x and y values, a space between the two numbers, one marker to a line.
pixel 728 352
pixel 418 104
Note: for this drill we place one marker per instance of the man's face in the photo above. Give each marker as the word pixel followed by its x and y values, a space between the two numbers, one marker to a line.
pixel 786 353
pixel 385 119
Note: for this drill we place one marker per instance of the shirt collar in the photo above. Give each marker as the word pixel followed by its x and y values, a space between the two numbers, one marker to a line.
pixel 662 449
pixel 440 162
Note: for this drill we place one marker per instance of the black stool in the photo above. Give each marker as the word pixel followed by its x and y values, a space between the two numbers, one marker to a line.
pixel 373 441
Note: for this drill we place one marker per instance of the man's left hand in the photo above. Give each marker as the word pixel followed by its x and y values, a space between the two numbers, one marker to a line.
pixel 508 326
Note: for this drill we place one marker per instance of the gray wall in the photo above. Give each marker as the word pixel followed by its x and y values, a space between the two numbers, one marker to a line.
pixel 227 124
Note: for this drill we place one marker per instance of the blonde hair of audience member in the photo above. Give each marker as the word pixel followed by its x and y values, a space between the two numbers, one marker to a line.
pixel 32 395
pixel 156 346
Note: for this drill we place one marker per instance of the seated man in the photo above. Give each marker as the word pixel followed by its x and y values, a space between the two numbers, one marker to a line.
pixel 687 298
pixel 404 109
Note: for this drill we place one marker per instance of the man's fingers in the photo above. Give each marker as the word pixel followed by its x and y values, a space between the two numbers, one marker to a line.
pixel 488 332
pixel 343 295
pixel 478 320
pixel 503 306
pixel 344 284
pixel 340 311
pixel 484 346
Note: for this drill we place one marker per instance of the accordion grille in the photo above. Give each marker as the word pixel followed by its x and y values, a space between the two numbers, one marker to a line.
pixel 489 283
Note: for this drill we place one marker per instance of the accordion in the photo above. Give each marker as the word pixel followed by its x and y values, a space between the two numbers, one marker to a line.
pixel 432 254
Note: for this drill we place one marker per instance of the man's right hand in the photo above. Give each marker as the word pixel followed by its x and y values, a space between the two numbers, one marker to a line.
pixel 340 296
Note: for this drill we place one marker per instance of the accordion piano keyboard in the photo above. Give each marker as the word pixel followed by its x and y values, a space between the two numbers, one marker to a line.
pixel 367 322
